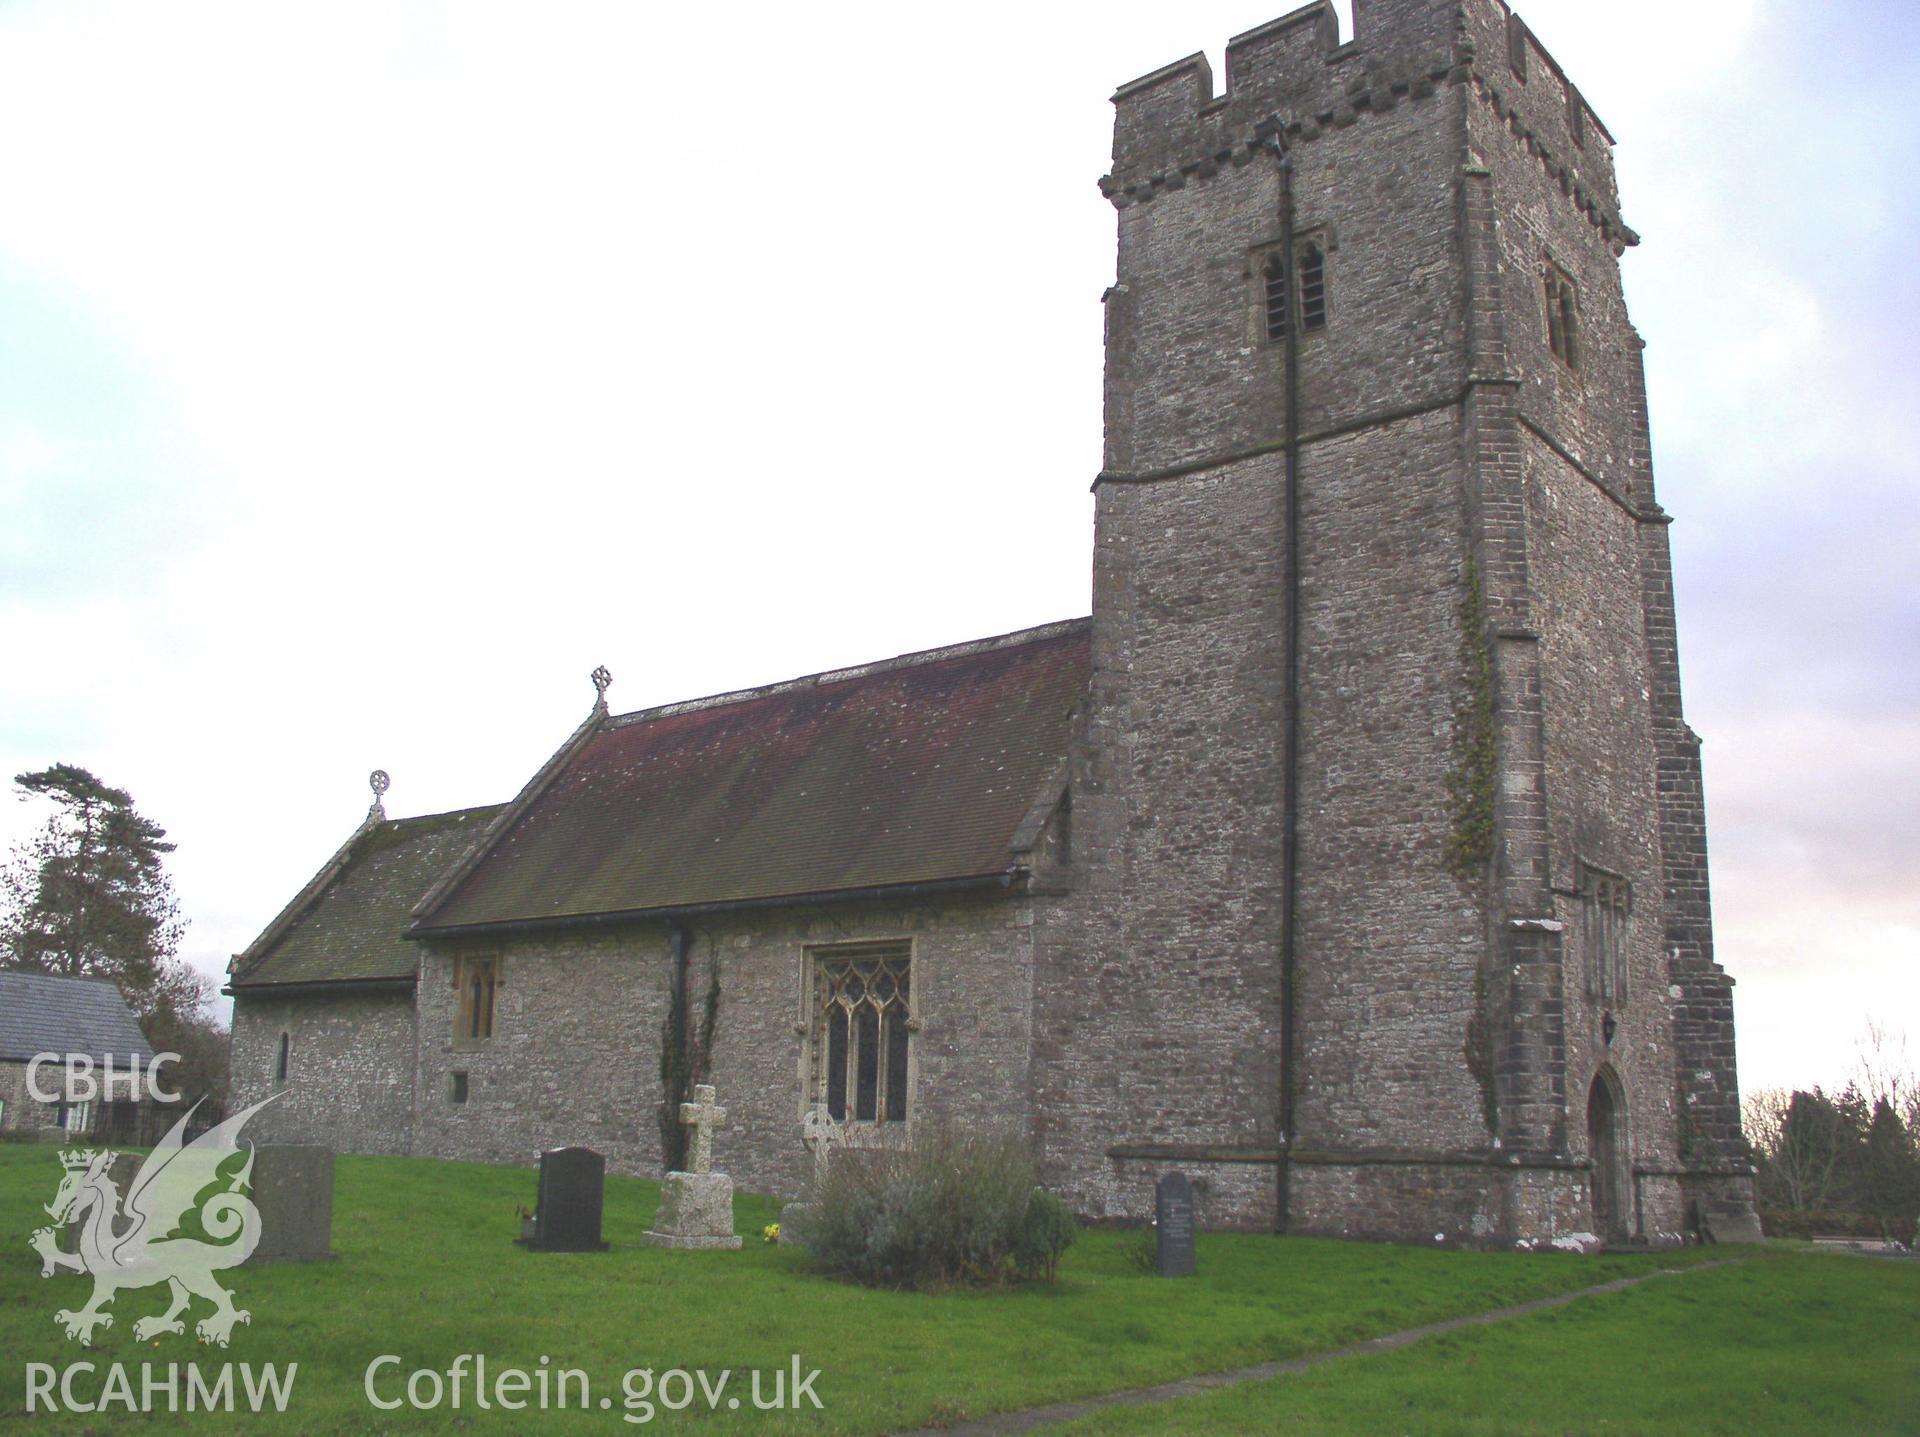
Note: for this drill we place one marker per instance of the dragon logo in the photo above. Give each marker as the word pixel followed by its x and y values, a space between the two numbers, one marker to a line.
pixel 138 1238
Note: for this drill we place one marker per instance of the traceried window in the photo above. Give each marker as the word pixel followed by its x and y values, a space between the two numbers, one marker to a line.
pixel 474 980
pixel 1606 907
pixel 862 1008
pixel 1306 289
pixel 1563 317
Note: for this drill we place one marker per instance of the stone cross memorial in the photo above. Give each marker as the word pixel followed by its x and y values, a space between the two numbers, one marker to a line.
pixel 818 1133
pixel 1173 1225
pixel 573 1184
pixel 696 1208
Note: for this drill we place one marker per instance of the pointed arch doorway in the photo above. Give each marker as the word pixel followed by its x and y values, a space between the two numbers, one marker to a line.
pixel 1607 1146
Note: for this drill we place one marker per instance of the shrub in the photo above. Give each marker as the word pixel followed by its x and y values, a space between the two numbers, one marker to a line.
pixel 1047 1231
pixel 951 1209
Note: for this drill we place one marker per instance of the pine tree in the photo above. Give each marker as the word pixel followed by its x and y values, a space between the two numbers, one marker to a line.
pixel 88 896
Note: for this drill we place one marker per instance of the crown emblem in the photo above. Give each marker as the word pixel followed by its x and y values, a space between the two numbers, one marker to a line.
pixel 73 1159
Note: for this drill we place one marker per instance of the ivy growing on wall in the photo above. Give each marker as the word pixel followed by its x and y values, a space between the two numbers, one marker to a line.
pixel 1470 782
pixel 1479 1049
pixel 686 1058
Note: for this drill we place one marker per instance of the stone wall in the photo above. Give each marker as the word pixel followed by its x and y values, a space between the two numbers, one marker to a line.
pixel 349 1082
pixel 24 1113
pixel 579 1021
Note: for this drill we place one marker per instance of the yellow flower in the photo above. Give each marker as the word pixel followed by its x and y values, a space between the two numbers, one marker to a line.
pixel 771 1232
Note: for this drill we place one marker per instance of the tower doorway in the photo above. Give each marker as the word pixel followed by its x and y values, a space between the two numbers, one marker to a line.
pixel 1607 1145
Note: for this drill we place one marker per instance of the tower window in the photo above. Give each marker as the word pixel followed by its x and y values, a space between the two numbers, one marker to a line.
pixel 1275 274
pixel 1277 290
pixel 1606 904
pixel 1563 317
pixel 1313 288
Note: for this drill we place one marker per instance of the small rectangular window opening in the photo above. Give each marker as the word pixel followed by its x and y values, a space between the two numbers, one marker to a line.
pixel 459 1087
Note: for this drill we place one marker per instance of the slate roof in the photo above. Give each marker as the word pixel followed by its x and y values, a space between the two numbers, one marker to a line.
pixel 40 1013
pixel 921 769
pixel 345 926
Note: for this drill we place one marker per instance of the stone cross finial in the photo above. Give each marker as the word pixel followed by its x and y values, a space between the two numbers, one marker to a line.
pixel 819 1132
pixel 379 783
pixel 602 680
pixel 703 1115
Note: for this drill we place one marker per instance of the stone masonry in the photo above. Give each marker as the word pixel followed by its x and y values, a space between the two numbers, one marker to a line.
pixel 1457 517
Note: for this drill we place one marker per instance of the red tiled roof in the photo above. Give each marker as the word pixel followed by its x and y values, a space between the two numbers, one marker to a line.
pixel 912 771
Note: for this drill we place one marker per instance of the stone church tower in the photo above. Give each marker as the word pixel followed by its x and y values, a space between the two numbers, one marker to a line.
pixel 1390 913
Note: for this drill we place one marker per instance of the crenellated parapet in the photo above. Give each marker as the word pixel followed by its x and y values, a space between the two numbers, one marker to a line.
pixel 1295 77
pixel 1290 75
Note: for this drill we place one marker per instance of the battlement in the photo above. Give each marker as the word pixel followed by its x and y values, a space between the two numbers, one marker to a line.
pixel 1296 76
pixel 1294 71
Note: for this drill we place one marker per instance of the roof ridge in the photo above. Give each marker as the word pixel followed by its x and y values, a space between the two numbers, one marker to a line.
pixel 59 977
pixel 447 813
pixel 1037 634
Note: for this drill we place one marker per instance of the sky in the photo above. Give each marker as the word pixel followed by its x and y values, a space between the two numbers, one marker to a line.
pixel 369 372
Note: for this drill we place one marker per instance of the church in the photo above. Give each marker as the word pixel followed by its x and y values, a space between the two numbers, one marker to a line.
pixel 1350 857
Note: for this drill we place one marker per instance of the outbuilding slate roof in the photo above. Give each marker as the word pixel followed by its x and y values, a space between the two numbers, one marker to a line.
pixel 345 926
pixel 40 1013
pixel 922 769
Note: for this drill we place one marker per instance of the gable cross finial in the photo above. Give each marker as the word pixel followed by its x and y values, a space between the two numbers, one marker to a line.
pixel 601 680
pixel 379 783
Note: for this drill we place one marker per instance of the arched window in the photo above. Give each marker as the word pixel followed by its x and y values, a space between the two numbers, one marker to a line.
pixel 1313 288
pixel 280 1063
pixel 1275 276
pixel 863 1025
pixel 1279 296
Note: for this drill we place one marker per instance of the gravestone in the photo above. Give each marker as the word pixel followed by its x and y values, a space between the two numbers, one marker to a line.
pixel 696 1208
pixel 573 1184
pixel 1173 1224
pixel 292 1188
pixel 818 1133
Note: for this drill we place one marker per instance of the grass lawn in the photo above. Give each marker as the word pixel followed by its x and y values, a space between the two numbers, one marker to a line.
pixel 427 1271
pixel 1797 1344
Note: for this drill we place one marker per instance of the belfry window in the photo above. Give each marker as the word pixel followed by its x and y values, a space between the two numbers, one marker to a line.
pixel 1304 291
pixel 1563 317
pixel 1313 288
pixel 1606 905
pixel 1274 275
pixel 862 1026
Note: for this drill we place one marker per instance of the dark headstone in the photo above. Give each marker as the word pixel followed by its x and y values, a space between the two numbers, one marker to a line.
pixel 572 1184
pixel 292 1185
pixel 1173 1224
